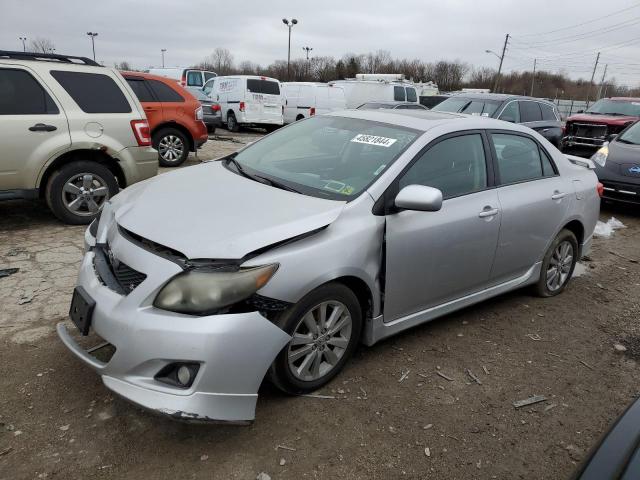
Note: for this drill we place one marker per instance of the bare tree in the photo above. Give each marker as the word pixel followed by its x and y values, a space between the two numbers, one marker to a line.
pixel 482 77
pixel 222 61
pixel 41 45
pixel 124 65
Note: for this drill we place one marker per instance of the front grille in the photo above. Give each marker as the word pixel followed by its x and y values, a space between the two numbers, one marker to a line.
pixel 589 130
pixel 114 274
pixel 622 192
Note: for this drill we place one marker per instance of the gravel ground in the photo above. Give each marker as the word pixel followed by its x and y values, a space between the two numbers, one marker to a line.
pixel 392 415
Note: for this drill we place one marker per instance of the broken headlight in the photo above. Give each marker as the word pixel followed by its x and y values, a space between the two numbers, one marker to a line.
pixel 202 291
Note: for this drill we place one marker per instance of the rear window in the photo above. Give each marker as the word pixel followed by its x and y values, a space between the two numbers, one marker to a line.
pixel 263 86
pixel 93 92
pixel 398 94
pixel 547 112
pixel 141 89
pixel 530 112
pixel 411 95
pixel 194 79
pixel 163 92
pixel 375 106
pixel 21 94
pixel 208 76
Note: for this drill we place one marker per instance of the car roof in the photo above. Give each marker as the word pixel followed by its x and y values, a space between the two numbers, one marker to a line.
pixel 623 99
pixel 496 96
pixel 426 119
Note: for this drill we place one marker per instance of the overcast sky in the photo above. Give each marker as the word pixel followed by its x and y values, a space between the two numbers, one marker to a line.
pixel 135 31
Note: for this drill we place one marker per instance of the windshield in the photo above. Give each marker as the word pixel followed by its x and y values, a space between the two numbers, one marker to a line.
pixel 451 104
pixel 208 86
pixel 607 106
pixel 470 106
pixel 375 106
pixel 328 157
pixel 631 135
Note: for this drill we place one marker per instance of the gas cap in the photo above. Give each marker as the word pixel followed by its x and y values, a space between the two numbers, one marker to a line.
pixel 93 129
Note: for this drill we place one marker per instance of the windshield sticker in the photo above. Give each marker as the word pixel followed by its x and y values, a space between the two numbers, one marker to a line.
pixel 347 190
pixel 379 169
pixel 335 186
pixel 374 140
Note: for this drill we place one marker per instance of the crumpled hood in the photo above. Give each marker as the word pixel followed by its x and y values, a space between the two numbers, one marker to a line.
pixel 207 211
pixel 601 119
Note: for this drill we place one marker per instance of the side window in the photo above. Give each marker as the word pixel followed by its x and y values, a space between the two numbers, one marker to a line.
pixel 511 113
pixel 194 78
pixel 21 94
pixel 411 95
pixel 547 112
pixel 518 158
pixel 163 92
pixel 530 112
pixel 456 166
pixel 93 92
pixel 547 166
pixel 398 94
pixel 141 89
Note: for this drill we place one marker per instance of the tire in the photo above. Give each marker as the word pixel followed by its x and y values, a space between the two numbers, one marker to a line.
pixel 299 117
pixel 556 272
pixel 77 191
pixel 283 373
pixel 232 123
pixel 172 146
pixel 271 128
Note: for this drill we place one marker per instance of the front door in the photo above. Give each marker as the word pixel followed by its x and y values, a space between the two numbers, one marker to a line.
pixel 436 257
pixel 33 128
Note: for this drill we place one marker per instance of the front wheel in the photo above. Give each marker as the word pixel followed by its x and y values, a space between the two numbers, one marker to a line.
pixel 558 265
pixel 325 329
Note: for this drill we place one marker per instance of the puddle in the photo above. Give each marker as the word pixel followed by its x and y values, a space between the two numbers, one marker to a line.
pixel 579 270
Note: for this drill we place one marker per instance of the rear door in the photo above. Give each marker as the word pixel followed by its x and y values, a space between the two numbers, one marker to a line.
pixel 150 104
pixel 534 201
pixel 263 101
pixel 436 257
pixel 531 116
pixel 33 127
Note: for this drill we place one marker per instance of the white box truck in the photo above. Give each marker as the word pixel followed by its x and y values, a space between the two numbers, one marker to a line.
pixel 247 100
pixel 305 99
pixel 357 92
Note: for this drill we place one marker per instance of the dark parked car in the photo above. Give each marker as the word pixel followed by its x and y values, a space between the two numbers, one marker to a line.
pixel 391 105
pixel 212 113
pixel 617 457
pixel 608 116
pixel 618 166
pixel 540 115
pixel 431 101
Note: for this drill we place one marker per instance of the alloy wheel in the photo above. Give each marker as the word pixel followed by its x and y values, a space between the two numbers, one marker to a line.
pixel 84 194
pixel 560 266
pixel 171 148
pixel 319 341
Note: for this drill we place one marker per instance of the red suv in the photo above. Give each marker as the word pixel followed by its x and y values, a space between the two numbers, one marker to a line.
pixel 608 116
pixel 175 116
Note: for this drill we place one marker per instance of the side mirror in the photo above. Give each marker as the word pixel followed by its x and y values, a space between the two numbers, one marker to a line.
pixel 419 197
pixel 612 137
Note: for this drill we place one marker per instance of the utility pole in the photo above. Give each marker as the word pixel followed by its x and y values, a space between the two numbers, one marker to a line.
pixel 533 77
pixel 93 35
pixel 592 75
pixel 162 50
pixel 504 49
pixel 24 45
pixel 604 74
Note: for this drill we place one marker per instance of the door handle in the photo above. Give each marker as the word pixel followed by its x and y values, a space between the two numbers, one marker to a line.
pixel 41 127
pixel 545 129
pixel 558 195
pixel 149 109
pixel 488 212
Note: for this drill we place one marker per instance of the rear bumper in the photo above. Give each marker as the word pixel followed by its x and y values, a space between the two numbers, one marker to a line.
pixel 138 163
pixel 233 351
pixel 213 120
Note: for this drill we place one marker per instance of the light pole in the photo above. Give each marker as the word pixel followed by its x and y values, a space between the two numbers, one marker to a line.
pixel 162 50
pixel 289 24
pixel 307 50
pixel 93 35
pixel 24 45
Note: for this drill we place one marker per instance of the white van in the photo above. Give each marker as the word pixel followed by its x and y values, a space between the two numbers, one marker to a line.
pixel 357 92
pixel 190 78
pixel 247 100
pixel 305 99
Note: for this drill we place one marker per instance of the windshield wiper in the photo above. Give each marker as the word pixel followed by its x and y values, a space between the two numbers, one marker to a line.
pixel 615 114
pixel 276 184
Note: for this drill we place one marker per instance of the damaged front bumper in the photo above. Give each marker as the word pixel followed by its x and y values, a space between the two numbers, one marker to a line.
pixel 232 351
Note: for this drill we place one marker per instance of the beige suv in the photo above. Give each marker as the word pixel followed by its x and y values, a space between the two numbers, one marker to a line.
pixel 72 132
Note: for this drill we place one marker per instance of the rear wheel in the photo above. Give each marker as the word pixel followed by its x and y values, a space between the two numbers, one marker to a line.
pixel 232 123
pixel 325 328
pixel 299 117
pixel 558 265
pixel 77 192
pixel 172 146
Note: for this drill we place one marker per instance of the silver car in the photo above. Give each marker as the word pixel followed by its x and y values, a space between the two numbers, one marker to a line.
pixel 336 230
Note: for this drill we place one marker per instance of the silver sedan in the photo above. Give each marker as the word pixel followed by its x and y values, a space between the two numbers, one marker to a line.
pixel 342 229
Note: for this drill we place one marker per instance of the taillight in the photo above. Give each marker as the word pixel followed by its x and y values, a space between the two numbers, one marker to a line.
pixel 600 189
pixel 215 107
pixel 312 111
pixel 199 113
pixel 183 80
pixel 141 132
pixel 242 106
